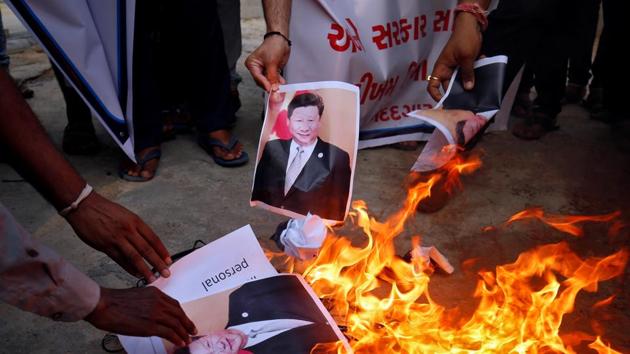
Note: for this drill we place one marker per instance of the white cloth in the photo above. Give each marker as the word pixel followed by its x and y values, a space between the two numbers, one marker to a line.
pixel 303 238
pixel 298 156
pixel 36 279
pixel 262 330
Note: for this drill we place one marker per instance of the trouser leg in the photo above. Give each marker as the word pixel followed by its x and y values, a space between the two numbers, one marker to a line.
pixel 230 17
pixel 581 50
pixel 207 74
pixel 147 100
pixel 4 57
pixel 78 113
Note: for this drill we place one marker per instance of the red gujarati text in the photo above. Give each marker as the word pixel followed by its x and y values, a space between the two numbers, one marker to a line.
pixel 343 38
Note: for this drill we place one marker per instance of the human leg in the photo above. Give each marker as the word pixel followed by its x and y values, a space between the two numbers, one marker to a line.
pixel 581 48
pixel 230 18
pixel 4 57
pixel 147 99
pixel 209 92
pixel 79 137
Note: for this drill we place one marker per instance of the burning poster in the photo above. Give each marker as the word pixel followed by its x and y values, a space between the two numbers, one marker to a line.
pixel 307 150
pixel 462 116
pixel 279 314
pixel 240 304
pixel 203 273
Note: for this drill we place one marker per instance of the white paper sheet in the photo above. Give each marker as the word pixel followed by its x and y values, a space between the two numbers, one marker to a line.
pixel 223 264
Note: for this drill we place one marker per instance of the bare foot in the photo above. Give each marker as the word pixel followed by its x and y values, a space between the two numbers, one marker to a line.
pixel 148 162
pixel 224 137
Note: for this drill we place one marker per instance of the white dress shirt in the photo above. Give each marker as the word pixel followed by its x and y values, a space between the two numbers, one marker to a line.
pixel 308 151
pixel 262 330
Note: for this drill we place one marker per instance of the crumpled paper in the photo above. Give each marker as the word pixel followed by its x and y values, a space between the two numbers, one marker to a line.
pixel 303 238
pixel 428 254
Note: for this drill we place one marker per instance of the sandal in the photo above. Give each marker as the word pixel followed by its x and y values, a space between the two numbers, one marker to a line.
pixel 534 127
pixel 154 154
pixel 522 105
pixel 168 132
pixel 208 144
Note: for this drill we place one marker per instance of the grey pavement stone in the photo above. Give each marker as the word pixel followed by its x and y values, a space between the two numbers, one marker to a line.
pixel 576 170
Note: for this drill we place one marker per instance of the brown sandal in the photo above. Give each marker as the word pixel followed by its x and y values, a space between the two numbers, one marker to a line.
pixel 535 127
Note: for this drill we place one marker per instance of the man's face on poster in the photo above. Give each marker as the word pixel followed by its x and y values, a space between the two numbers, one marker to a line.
pixel 304 125
pixel 221 342
pixel 472 126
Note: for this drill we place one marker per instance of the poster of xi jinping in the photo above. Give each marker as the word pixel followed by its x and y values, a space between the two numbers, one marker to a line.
pixel 278 314
pixel 307 150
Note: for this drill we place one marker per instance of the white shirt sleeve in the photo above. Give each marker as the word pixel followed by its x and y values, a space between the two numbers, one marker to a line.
pixel 35 278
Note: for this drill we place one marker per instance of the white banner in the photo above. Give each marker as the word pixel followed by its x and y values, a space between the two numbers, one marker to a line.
pixel 91 41
pixel 386 48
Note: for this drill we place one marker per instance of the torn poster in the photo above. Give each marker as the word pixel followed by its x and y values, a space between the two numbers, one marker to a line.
pixel 461 116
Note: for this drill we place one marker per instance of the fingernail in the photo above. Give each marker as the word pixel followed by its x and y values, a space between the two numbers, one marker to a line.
pixel 151 279
pixel 194 332
pixel 274 87
pixel 166 273
pixel 468 85
pixel 169 260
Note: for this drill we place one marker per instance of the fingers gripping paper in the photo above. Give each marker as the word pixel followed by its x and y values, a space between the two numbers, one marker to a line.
pixel 240 304
pixel 462 116
pixel 307 150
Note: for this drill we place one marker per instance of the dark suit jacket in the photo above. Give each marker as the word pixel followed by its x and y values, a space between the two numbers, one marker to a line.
pixel 321 188
pixel 299 340
pixel 280 297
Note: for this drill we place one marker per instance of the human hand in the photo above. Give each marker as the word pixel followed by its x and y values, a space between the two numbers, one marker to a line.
pixel 142 312
pixel 275 100
pixel 274 104
pixel 461 50
pixel 121 234
pixel 267 60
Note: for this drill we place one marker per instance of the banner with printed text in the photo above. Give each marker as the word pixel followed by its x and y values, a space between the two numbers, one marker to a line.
pixel 386 48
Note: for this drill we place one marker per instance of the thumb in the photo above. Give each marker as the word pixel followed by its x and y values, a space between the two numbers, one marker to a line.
pixel 468 74
pixel 272 74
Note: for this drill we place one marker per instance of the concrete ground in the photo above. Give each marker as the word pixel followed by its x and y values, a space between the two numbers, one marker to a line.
pixel 579 169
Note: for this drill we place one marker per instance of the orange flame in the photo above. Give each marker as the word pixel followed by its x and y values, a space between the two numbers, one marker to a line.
pixel 602 303
pixel 564 223
pixel 384 305
pixel 602 348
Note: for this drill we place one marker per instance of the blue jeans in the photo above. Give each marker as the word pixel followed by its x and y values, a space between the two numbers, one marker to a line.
pixel 4 58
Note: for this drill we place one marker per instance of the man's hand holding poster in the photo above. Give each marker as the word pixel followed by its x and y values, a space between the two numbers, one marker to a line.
pixel 307 150
pixel 461 116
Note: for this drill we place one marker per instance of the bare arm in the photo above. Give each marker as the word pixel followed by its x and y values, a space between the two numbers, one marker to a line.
pixel 145 311
pixel 277 15
pixel 30 150
pixel 462 49
pixel 102 224
pixel 272 55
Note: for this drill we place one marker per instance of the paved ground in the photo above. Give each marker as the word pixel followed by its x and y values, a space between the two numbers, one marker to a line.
pixel 576 170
